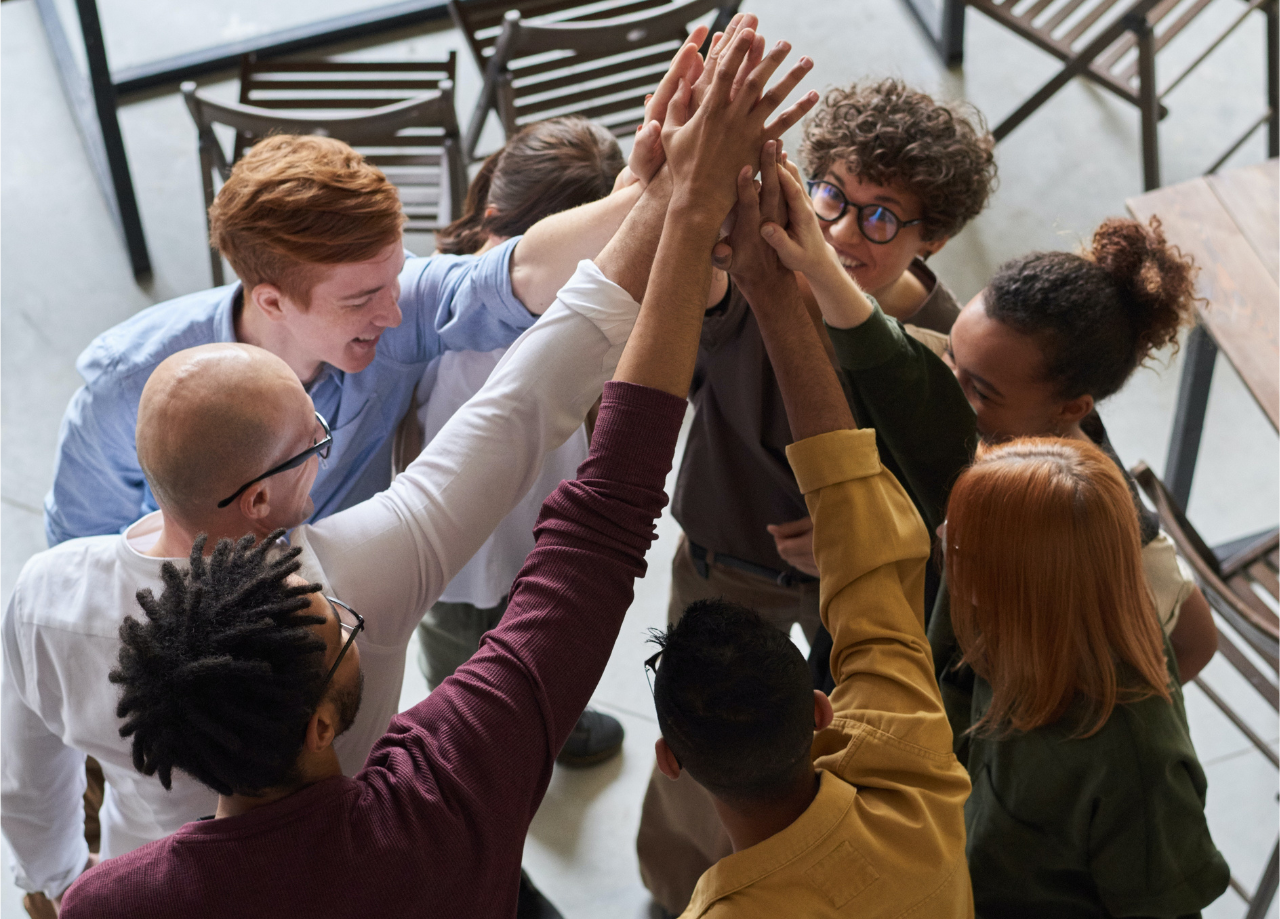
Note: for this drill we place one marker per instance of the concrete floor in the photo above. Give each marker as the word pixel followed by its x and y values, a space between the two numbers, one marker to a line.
pixel 65 278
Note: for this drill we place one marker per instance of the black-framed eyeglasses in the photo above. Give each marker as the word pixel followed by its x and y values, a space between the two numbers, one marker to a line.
pixel 651 669
pixel 352 624
pixel 319 448
pixel 878 224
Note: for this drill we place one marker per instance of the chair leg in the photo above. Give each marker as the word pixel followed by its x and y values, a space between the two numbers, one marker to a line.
pixel 206 180
pixel 1273 78
pixel 1266 892
pixel 1149 103
pixel 1188 418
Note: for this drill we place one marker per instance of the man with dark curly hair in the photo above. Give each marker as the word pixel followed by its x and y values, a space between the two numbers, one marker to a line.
pixel 895 174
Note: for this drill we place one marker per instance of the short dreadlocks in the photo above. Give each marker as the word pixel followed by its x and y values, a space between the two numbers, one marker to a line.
pixel 224 674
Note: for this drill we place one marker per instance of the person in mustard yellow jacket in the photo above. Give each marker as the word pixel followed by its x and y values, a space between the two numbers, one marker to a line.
pixel 864 817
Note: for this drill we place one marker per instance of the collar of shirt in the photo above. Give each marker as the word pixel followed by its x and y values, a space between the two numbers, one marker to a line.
pixel 782 851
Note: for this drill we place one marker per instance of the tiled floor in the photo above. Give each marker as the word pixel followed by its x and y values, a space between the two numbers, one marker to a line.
pixel 65 278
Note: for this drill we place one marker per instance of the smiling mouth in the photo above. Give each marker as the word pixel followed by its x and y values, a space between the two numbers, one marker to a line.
pixel 371 340
pixel 849 264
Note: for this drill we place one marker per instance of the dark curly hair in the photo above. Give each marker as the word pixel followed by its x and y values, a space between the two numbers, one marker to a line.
pixel 890 134
pixel 734 701
pixel 224 674
pixel 1099 315
pixel 544 168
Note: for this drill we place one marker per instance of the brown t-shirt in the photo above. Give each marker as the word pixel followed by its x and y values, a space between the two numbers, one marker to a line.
pixel 735 478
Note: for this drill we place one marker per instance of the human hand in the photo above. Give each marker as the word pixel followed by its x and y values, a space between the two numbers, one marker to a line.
pixel 646 153
pixel 794 541
pixel 754 263
pixel 707 148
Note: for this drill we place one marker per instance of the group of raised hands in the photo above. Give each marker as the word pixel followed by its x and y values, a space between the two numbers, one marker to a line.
pixel 707 131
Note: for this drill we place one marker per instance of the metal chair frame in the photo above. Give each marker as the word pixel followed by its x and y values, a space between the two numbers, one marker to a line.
pixel 415 140
pixel 546 58
pixel 1230 576
pixel 1063 29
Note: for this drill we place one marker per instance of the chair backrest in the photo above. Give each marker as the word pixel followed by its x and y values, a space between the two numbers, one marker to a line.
pixel 550 57
pixel 1232 584
pixel 399 116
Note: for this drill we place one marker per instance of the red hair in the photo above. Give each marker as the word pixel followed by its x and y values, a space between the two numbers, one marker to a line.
pixel 1048 598
pixel 296 204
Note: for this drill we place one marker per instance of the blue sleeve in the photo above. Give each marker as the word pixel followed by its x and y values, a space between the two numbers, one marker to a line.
pixel 98 486
pixel 457 303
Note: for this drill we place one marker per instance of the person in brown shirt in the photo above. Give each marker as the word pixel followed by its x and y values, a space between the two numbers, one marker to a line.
pixel 894 175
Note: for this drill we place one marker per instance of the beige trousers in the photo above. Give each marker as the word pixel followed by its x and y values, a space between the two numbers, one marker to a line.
pixel 680 832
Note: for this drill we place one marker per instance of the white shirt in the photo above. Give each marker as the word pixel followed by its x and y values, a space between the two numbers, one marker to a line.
pixel 449 382
pixel 388 557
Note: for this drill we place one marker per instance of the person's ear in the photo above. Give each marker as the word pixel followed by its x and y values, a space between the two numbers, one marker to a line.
pixel 931 246
pixel 489 211
pixel 255 502
pixel 269 299
pixel 823 713
pixel 1070 412
pixel 322 728
pixel 668 765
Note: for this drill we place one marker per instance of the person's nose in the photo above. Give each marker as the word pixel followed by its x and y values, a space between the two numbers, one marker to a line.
pixel 390 316
pixel 845 232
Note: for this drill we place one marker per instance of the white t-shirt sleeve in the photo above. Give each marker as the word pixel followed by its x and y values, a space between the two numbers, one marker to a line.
pixel 391 556
pixel 1169 579
pixel 42 789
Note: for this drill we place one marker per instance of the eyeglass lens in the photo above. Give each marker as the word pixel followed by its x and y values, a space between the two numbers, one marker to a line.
pixel 877 223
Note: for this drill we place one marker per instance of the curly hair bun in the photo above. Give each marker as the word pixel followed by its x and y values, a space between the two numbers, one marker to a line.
pixel 1155 281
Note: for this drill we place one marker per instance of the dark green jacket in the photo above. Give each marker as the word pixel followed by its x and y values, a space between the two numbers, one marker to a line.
pixel 1110 825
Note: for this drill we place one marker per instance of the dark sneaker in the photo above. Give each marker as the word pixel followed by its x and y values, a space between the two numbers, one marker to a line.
pixel 531 903
pixel 595 738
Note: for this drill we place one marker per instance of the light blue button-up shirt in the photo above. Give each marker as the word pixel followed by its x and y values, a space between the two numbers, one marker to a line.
pixel 448 302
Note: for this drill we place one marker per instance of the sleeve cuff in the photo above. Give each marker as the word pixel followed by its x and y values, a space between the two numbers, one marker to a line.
pixel 834 457
pixel 495 271
pixel 869 344
pixel 603 302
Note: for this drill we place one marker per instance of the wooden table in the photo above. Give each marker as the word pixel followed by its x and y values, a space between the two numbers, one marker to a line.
pixel 1230 224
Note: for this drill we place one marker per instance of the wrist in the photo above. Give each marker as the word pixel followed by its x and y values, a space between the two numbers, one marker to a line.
pixel 693 216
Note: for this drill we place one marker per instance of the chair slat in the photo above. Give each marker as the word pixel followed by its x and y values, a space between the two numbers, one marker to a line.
pixel 410 87
pixel 1087 21
pixel 660 57
pixel 1030 13
pixel 1163 38
pixel 638 85
pixel 1266 577
pixel 1050 25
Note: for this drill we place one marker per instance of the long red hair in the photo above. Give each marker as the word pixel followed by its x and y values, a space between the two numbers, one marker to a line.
pixel 1048 598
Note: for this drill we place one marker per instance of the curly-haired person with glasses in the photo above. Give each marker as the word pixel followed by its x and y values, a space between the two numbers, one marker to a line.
pixel 895 175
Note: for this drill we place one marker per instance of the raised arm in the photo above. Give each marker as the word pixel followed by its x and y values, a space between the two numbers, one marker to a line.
pixel 897 385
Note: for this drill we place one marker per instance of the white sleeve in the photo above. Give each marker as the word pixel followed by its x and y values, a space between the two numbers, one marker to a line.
pixel 394 554
pixel 1169 579
pixel 42 784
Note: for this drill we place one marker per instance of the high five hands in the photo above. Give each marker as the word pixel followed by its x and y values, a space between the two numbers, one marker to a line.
pixel 733 75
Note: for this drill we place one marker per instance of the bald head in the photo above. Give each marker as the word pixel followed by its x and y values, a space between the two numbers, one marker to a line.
pixel 213 417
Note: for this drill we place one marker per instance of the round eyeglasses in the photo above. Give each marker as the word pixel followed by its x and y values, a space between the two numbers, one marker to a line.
pixel 878 224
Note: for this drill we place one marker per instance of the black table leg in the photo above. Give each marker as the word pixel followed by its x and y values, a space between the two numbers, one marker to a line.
pixel 93 105
pixel 1188 418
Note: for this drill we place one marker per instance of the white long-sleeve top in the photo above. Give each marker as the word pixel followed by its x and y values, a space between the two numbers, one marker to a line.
pixel 451 380
pixel 388 557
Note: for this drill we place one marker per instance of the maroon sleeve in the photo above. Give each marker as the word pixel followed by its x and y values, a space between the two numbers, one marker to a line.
pixel 481 747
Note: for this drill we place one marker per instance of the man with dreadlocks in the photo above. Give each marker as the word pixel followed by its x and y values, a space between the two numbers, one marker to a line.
pixel 240 675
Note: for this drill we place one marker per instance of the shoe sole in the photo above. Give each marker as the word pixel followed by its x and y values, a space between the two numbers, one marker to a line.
pixel 591 759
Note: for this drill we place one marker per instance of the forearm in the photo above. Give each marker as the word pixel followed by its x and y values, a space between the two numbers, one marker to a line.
pixel 547 255
pixel 663 347
pixel 843 304
pixel 811 392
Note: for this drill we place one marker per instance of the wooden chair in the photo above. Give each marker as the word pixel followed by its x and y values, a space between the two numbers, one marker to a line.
pixel 1233 577
pixel 543 58
pixel 1114 43
pixel 400 116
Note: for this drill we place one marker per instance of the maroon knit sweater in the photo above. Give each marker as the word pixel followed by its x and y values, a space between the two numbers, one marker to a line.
pixel 434 825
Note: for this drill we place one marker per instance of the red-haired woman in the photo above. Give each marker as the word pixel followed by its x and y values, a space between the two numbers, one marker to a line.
pixel 1080 806
pixel 1088 799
